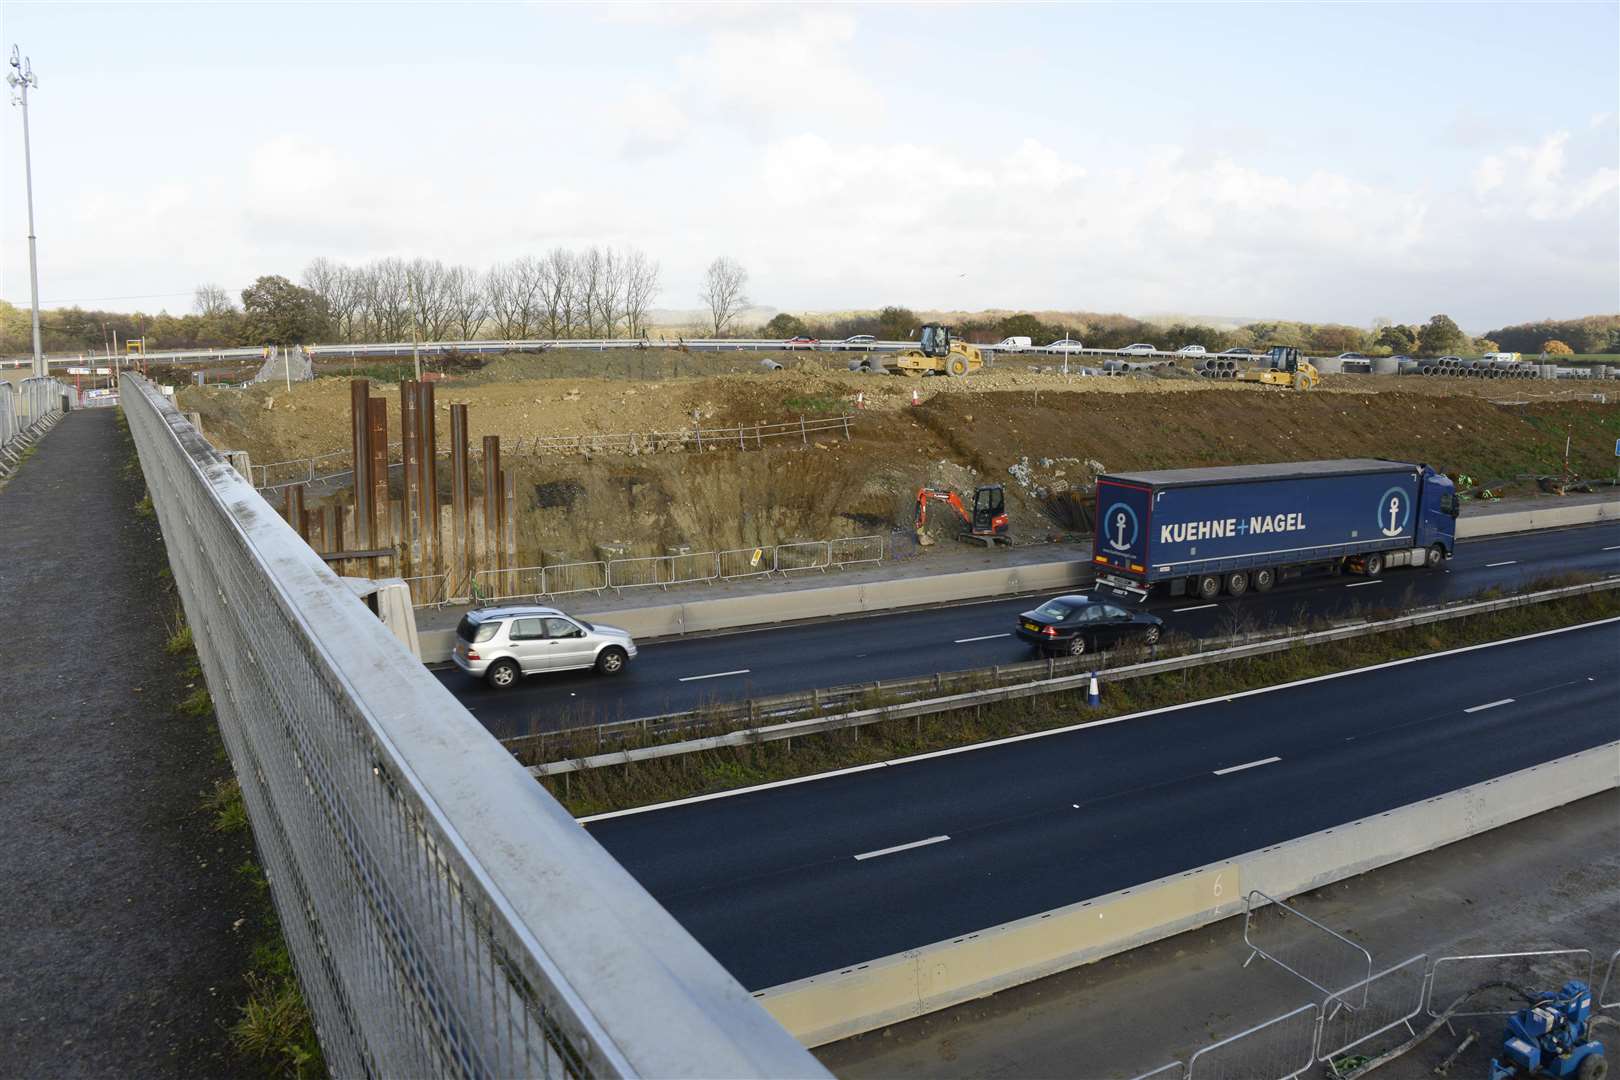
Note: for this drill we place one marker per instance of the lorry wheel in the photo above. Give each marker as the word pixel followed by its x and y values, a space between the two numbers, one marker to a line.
pixel 1237 583
pixel 1374 564
pixel 1264 580
pixel 1207 586
pixel 1077 645
pixel 1437 557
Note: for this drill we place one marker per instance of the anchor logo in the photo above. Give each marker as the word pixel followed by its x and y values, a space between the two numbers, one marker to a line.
pixel 1120 527
pixel 1393 512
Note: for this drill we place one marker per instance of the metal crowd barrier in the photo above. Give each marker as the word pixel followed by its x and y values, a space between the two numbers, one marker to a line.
pixel 28 409
pixel 446 916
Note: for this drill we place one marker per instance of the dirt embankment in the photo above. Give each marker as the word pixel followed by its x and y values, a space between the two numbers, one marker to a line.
pixel 1034 432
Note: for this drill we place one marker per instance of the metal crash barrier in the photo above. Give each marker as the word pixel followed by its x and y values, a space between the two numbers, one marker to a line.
pixel 446 916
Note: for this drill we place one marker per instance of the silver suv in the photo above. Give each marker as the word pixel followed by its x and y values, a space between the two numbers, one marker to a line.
pixel 502 644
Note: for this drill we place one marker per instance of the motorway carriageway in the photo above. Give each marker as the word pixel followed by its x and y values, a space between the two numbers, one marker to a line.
pixel 803 877
pixel 688 673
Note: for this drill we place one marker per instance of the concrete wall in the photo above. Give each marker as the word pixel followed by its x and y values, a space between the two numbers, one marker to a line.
pixel 759 609
pixel 838 1004
pixel 1548 517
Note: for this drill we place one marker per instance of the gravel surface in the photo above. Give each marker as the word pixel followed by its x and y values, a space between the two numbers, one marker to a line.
pixel 123 937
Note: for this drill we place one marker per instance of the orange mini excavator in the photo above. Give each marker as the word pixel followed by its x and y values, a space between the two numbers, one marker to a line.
pixel 987 523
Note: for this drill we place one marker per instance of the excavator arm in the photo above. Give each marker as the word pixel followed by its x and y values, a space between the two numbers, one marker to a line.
pixel 944 495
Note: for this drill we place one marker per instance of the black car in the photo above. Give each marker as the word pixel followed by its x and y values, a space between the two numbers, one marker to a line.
pixel 1080 624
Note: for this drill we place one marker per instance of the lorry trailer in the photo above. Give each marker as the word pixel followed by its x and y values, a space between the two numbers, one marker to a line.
pixel 1202 532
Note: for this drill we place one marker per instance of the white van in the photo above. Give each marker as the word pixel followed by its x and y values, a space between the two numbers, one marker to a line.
pixel 1012 344
pixel 1500 356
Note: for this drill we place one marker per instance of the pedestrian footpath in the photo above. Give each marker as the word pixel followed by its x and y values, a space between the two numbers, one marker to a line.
pixel 122 939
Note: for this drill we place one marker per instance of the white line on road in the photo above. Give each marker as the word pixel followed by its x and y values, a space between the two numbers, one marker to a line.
pixel 1494 565
pixel 902 847
pixel 1359 584
pixel 716 675
pixel 1199 607
pixel 1612 547
pixel 986 637
pixel 1250 765
pixel 1490 705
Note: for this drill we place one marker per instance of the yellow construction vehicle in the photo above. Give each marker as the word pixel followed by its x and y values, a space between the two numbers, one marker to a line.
pixel 1285 367
pixel 936 354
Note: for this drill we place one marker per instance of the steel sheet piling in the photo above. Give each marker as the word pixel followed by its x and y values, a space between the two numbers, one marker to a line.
pixel 411 515
pixel 359 427
pixel 460 495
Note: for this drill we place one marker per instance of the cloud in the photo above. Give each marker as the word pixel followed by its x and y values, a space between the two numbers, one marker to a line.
pixel 1532 181
pixel 646 121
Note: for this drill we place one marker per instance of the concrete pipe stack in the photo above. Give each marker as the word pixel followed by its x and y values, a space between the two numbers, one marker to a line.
pixel 1215 367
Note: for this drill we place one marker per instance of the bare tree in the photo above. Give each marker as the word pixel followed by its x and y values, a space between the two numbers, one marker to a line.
pixel 468 303
pixel 212 299
pixel 640 289
pixel 557 299
pixel 429 282
pixel 386 294
pixel 340 286
pixel 514 294
pixel 722 291
pixel 606 306
pixel 587 283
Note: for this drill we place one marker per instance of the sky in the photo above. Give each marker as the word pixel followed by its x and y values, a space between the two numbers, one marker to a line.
pixel 1323 162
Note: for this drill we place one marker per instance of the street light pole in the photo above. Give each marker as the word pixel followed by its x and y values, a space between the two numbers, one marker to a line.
pixel 21 78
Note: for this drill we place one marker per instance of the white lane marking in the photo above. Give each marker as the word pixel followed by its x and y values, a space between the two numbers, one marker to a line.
pixel 1199 607
pixel 1494 565
pixel 1359 584
pixel 986 637
pixel 1088 724
pixel 1612 547
pixel 1490 705
pixel 901 847
pixel 716 675
pixel 1249 765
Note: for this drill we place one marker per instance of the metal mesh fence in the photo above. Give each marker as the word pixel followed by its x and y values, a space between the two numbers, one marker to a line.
pixel 1275 1050
pixel 1506 974
pixel 1385 1002
pixel 445 916
pixel 1300 945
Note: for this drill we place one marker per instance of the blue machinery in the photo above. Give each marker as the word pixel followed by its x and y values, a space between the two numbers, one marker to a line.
pixel 1550 1038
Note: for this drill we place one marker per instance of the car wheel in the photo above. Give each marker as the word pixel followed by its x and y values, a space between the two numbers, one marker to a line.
pixel 1152 635
pixel 503 674
pixel 1374 564
pixel 1077 645
pixel 1437 557
pixel 1237 583
pixel 610 661
pixel 1264 580
pixel 1208 586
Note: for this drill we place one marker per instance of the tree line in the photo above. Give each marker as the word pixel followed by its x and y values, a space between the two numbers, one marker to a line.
pixel 1593 334
pixel 1437 337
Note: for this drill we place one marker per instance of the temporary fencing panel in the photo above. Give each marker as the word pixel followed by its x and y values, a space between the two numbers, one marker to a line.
pixel 1386 1001
pixel 1278 1049
pixel 1300 945
pixel 1498 978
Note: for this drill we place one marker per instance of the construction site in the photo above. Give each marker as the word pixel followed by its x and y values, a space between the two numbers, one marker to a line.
pixel 664 454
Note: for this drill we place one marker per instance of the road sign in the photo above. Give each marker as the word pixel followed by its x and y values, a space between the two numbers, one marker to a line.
pixel 1617 448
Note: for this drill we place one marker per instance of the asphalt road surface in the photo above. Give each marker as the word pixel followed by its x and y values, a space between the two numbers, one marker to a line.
pixel 795 879
pixel 685 674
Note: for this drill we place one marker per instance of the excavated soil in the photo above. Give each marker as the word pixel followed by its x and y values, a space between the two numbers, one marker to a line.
pixel 1040 433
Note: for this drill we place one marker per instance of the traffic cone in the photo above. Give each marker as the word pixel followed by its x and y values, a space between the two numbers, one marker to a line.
pixel 860 399
pixel 1093 694
pixel 915 400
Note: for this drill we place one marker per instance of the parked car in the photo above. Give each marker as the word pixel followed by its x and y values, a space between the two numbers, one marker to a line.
pixel 1138 349
pixel 1012 344
pixel 1453 358
pixel 1351 356
pixel 502 644
pixel 1239 351
pixel 801 342
pixel 1079 624
pixel 1064 345
pixel 860 339
pixel 1192 350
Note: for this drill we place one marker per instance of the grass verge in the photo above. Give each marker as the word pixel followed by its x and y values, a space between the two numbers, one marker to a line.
pixel 640 783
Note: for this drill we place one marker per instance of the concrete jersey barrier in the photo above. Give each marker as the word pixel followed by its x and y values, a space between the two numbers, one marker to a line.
pixel 835 1005
pixel 732 612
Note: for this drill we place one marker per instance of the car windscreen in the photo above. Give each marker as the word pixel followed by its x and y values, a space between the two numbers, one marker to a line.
pixel 1055 611
pixel 470 629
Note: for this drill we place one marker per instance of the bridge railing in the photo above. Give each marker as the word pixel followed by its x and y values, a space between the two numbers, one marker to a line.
pixel 445 915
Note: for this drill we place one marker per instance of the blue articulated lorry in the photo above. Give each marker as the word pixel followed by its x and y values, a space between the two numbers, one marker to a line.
pixel 1204 532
